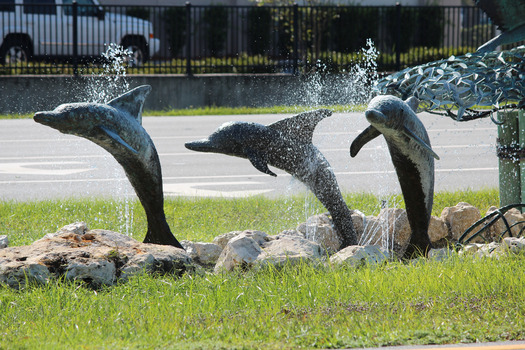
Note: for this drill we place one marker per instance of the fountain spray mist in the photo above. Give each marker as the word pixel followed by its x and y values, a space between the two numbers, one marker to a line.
pixel 110 82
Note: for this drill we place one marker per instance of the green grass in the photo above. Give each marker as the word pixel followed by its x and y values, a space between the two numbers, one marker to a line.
pixel 215 110
pixel 461 299
pixel 199 219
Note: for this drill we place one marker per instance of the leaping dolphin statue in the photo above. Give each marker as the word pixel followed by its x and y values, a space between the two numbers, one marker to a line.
pixel 413 159
pixel 287 145
pixel 117 127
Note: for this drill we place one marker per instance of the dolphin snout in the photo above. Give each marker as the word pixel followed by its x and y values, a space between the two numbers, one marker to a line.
pixel 200 146
pixel 43 117
pixel 375 116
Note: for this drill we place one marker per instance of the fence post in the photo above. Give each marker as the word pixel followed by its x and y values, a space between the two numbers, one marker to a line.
pixel 75 37
pixel 509 142
pixel 188 39
pixel 398 36
pixel 521 137
pixel 295 55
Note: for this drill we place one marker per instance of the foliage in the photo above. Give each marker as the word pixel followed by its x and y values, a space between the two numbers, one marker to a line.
pixel 352 25
pixel 461 299
pixel 175 19
pixel 141 12
pixel 259 33
pixel 216 28
pixel 252 64
pixel 414 26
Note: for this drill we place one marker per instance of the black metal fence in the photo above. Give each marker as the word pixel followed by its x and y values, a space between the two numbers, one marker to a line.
pixel 68 39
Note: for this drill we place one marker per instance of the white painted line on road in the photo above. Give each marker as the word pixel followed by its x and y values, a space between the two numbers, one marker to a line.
pixel 217 177
pixel 30 169
pixel 57 157
pixel 190 190
pixel 68 138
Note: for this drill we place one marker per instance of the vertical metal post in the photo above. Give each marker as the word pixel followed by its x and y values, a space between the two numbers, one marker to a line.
pixel 509 162
pixel 521 136
pixel 188 39
pixel 75 38
pixel 398 36
pixel 295 38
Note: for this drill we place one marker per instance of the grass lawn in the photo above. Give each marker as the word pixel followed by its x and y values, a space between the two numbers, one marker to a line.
pixel 196 111
pixel 462 299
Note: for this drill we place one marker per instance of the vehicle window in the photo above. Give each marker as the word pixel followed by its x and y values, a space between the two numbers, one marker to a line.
pixel 7 5
pixel 85 8
pixel 41 7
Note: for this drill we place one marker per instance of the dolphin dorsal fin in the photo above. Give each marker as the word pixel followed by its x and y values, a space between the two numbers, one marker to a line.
pixel 302 125
pixel 132 102
pixel 413 103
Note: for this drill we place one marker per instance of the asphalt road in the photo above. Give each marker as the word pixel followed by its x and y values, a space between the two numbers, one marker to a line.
pixel 37 162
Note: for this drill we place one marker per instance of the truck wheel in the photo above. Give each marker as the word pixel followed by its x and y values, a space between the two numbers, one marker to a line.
pixel 138 52
pixel 14 51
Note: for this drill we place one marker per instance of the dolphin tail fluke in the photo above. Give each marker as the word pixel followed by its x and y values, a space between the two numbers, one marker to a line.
pixel 417 250
pixel 363 138
pixel 512 36
pixel 161 234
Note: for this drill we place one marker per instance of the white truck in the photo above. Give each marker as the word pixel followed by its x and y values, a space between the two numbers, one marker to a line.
pixel 44 29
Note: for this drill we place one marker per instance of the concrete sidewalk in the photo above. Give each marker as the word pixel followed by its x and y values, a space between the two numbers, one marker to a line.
pixel 509 345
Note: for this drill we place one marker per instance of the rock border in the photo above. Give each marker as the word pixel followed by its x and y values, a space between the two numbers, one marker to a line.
pixel 100 257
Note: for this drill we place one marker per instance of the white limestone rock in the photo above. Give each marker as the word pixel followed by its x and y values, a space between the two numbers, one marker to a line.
pixel 287 233
pixel 77 228
pixel 97 257
pixel 222 240
pixel 437 229
pixel 324 235
pixel 389 229
pixel 514 218
pixel 358 255
pixel 514 244
pixel 202 253
pixel 358 219
pixel 259 236
pixel 459 218
pixel 240 252
pixel 321 219
pixel 372 231
pixel 290 249
pixel 440 254
pixel 4 241
pixel 319 229
pixel 481 250
pixel 17 273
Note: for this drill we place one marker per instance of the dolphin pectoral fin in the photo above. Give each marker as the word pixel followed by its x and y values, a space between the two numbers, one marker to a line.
pixel 420 142
pixel 259 163
pixel 363 138
pixel 115 137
